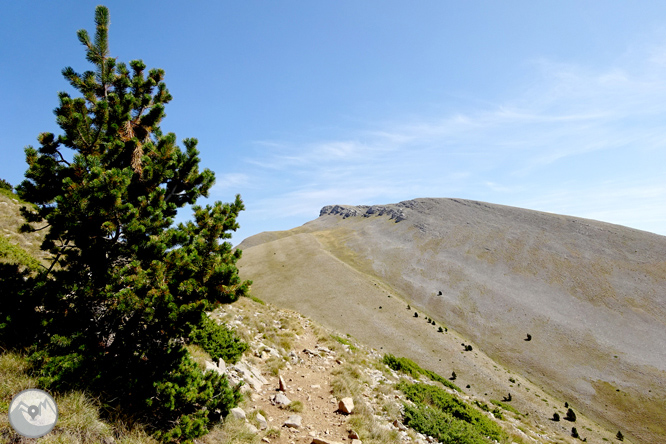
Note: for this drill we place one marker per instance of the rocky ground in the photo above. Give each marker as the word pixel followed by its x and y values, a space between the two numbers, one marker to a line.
pixel 297 374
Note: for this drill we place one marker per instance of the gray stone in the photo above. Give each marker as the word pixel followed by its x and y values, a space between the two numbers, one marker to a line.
pixel 238 413
pixel 251 428
pixel 212 367
pixel 294 421
pixel 263 424
pixel 282 385
pixel 281 399
pixel 324 441
pixel 346 405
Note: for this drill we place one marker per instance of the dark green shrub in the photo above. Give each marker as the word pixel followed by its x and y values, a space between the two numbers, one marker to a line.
pixel 574 432
pixel 440 329
pixel 6 185
pixel 619 436
pixel 505 406
pixel 218 341
pixel 442 426
pixel 416 315
pixel 453 376
pixel 556 416
pixel 435 408
pixel 571 416
pixel 411 368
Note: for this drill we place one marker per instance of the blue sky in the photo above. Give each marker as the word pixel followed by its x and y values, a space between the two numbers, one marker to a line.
pixel 553 106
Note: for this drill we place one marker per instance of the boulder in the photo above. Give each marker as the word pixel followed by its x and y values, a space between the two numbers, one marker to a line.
pixel 263 424
pixel 281 400
pixel 294 421
pixel 213 367
pixel 346 405
pixel 324 441
pixel 238 413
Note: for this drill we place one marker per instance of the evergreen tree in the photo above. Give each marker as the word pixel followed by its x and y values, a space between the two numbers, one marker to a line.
pixel 571 416
pixel 125 286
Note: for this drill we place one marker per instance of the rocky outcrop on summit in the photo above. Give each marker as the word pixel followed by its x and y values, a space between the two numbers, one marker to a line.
pixel 392 211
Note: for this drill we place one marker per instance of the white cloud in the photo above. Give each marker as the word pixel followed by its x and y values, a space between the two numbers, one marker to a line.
pixel 576 141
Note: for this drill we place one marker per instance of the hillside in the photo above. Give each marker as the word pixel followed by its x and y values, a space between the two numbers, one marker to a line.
pixel 590 295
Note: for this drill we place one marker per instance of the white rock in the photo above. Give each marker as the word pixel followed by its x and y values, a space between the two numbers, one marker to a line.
pixel 346 405
pixel 263 425
pixel 324 441
pixel 238 413
pixel 281 399
pixel 294 421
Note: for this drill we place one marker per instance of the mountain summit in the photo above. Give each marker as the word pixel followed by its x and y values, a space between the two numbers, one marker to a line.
pixel 575 305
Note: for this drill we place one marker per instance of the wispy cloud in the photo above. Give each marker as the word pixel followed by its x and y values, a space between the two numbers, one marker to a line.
pixel 578 140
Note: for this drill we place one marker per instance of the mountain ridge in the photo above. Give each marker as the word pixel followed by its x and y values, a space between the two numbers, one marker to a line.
pixel 588 291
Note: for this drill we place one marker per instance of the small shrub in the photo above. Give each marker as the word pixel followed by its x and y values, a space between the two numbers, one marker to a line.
pixel 6 185
pixel 446 417
pixel 416 315
pixel 453 376
pixel 574 432
pixel 295 406
pixel 412 369
pixel 273 433
pixel 218 341
pixel 556 417
pixel 619 436
pixel 344 341
pixel 440 329
pixel 505 406
pixel 571 416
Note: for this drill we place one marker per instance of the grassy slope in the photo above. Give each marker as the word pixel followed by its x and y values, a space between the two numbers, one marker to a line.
pixel 15 247
pixel 331 270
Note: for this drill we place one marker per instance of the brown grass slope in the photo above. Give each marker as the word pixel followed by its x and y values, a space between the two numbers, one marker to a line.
pixel 16 247
pixel 591 294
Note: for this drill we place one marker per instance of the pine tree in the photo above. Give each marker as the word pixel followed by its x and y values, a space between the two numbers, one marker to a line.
pixel 125 286
pixel 571 415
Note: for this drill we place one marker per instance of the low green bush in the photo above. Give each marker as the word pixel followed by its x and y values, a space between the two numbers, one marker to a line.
pixel 446 417
pixel 218 341
pixel 442 426
pixel 412 369
pixel 505 406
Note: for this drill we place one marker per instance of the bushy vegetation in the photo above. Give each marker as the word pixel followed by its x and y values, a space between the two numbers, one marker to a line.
pixel 113 312
pixel 505 406
pixel 14 254
pixel 344 341
pixel 571 415
pixel 218 341
pixel 446 417
pixel 411 368
pixel 6 185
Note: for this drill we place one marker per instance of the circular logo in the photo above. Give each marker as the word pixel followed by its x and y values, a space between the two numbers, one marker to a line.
pixel 33 413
